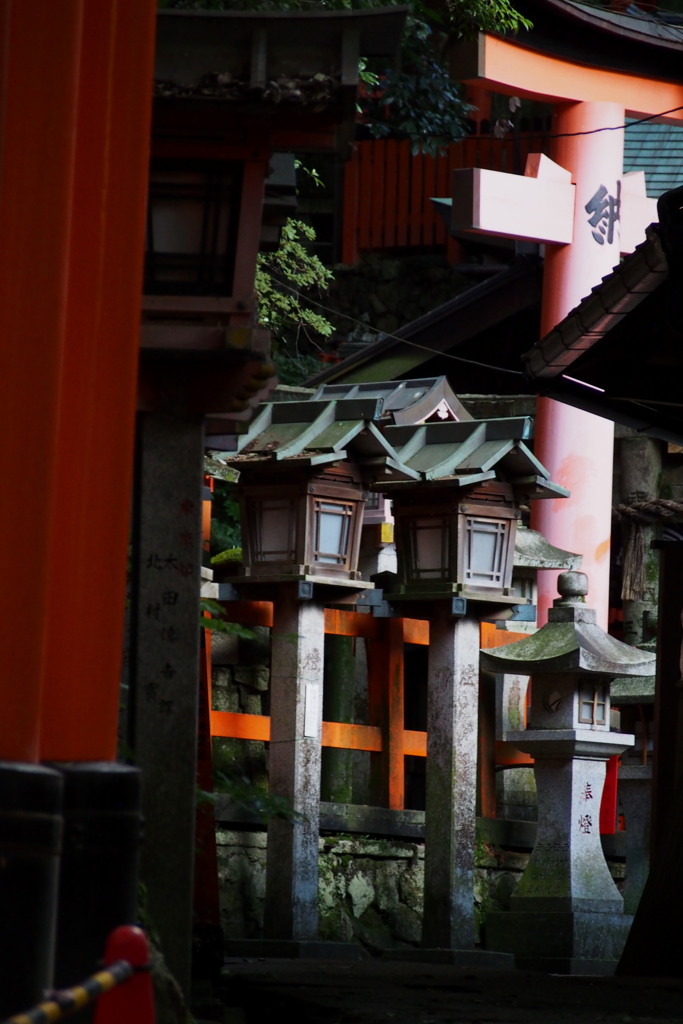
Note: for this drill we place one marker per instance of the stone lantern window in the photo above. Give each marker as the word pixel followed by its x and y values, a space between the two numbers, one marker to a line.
pixel 309 526
pixel 455 538
pixel 594 702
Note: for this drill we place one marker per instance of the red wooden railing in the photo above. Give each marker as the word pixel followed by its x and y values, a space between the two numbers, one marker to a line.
pixel 388 191
pixel 387 736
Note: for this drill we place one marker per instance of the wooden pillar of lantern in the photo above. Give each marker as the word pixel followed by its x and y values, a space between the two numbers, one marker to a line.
pixel 200 358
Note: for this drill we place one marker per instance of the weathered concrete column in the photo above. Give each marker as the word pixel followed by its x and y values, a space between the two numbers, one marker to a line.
pixel 165 646
pixel 450 812
pixel 296 690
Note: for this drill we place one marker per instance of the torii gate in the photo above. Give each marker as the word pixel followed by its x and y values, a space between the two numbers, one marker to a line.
pixel 586 212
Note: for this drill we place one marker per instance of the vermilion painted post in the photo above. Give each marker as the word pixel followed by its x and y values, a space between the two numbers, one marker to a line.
pixel 386 699
pixel 576 446
pixel 39 59
pixel 395 716
pixel 86 564
pixel 608 804
pixel 133 1000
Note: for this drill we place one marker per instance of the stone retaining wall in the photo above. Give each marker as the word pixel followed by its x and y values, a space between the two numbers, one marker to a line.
pixel 370 889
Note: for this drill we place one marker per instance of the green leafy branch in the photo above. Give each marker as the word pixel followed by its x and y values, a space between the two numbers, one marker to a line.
pixel 279 308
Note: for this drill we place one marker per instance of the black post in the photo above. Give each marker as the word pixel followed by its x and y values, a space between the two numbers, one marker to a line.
pixel 98 887
pixel 30 837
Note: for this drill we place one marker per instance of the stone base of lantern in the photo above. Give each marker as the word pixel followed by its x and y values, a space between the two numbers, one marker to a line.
pixel 560 942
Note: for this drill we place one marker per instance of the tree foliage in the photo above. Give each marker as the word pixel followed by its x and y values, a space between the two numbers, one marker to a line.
pixel 468 16
pixel 418 100
pixel 285 273
pixel 285 280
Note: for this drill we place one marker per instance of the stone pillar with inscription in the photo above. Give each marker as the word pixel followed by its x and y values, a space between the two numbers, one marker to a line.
pixel 296 701
pixel 566 913
pixel 450 809
pixel 165 658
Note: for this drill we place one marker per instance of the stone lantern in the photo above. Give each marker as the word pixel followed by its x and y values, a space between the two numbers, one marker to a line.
pixel 302 470
pixel 456 526
pixel 566 912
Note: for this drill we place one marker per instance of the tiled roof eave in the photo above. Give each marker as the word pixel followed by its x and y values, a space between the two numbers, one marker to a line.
pixel 618 294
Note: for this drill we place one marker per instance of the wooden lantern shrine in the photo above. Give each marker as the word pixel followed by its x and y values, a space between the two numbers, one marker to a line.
pixel 456 530
pixel 304 468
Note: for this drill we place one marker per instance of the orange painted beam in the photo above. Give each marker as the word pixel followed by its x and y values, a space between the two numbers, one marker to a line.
pixel 338 623
pixel 491 636
pixel 343 736
pixel 249 613
pixel 234 725
pixel 415 631
pixel 512 68
pixel 88 559
pixel 342 623
pixel 39 59
pixel 414 743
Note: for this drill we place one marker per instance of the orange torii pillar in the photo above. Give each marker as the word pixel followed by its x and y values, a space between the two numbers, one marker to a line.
pixel 577 446
pixel 74 126
pixel 586 212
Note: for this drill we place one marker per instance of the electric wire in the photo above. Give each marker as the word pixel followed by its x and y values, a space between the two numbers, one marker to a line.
pixel 617 127
pixel 301 297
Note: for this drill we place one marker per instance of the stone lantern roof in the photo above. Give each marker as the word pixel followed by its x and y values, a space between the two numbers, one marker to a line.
pixel 533 551
pixel 570 642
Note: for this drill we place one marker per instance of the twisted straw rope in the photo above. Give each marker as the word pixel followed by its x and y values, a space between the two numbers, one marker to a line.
pixel 649 512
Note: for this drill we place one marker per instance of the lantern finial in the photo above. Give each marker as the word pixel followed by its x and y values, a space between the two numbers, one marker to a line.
pixel 572 587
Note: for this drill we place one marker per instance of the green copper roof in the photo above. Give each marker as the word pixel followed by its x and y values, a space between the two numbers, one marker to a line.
pixel 316 432
pixel 656 149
